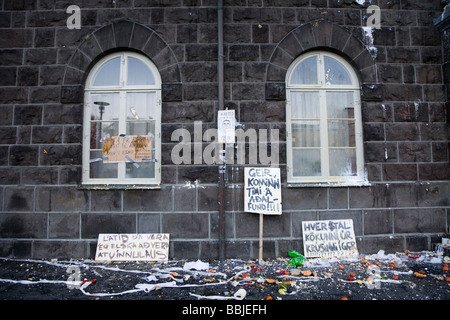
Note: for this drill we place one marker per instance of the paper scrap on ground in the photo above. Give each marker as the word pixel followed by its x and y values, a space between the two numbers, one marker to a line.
pixel 197 265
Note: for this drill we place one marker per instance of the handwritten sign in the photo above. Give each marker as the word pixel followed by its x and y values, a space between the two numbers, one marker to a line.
pixel 329 238
pixel 127 148
pixel 132 247
pixel 263 190
pixel 226 126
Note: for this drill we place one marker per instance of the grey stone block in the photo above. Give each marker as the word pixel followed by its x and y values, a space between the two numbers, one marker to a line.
pixel 148 200
pixel 186 225
pixel 23 155
pixel 64 226
pixel 23 225
pixel 106 200
pixel 39 175
pixel 60 249
pixel 56 199
pixel 149 223
pixel 94 224
pixel 419 221
pixel 68 154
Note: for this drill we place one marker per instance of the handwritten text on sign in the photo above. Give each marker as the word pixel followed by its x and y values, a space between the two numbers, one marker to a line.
pixel 133 247
pixel 127 148
pixel 263 191
pixel 329 238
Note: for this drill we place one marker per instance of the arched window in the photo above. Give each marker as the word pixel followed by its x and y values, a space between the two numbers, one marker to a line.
pixel 324 130
pixel 122 122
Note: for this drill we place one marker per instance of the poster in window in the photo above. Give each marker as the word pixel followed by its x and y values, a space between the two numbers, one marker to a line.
pixel 136 148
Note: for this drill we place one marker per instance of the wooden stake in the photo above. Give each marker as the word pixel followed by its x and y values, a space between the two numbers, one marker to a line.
pixel 261 238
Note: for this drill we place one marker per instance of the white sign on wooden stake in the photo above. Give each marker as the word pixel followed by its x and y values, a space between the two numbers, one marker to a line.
pixel 262 195
pixel 263 191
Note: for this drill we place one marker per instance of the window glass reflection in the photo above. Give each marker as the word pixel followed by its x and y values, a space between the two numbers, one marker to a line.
pixel 335 73
pixel 305 72
pixel 108 74
pixel 139 73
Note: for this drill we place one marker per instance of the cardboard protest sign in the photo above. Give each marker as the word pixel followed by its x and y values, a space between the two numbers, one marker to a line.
pixel 329 238
pixel 135 148
pixel 263 190
pixel 132 247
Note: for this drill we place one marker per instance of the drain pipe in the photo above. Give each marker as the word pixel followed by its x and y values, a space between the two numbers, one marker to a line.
pixel 222 168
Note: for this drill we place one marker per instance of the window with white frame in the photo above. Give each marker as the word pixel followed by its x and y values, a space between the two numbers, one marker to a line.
pixel 122 99
pixel 324 129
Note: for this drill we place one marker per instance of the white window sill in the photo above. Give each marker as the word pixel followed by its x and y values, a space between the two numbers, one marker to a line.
pixel 328 184
pixel 119 187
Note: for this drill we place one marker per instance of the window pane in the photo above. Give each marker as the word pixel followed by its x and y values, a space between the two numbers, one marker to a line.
pixel 306 162
pixel 306 134
pixel 336 73
pixel 341 133
pixel 305 105
pixel 100 170
pixel 342 162
pixel 340 105
pixel 141 106
pixel 140 170
pixel 100 130
pixel 305 72
pixel 108 74
pixel 139 73
pixel 141 113
pixel 104 109
pixel 105 106
pixel 142 128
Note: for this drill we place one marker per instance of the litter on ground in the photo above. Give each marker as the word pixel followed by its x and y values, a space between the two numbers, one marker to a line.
pixel 381 276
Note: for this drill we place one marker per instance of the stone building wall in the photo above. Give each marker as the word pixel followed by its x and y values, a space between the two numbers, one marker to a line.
pixel 46 213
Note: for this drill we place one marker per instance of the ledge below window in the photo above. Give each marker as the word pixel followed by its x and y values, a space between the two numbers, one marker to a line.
pixel 119 187
pixel 328 184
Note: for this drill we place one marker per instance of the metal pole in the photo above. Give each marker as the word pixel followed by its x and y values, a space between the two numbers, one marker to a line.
pixel 221 168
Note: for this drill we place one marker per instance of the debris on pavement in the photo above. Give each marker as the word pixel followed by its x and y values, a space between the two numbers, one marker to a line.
pixel 381 276
pixel 197 265
pixel 297 258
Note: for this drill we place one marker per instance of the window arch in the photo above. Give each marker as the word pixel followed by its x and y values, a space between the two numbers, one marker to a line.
pixel 324 129
pixel 122 122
